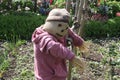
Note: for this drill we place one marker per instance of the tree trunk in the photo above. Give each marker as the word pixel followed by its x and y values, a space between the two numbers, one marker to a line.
pixel 79 14
pixel 68 5
pixel 77 7
pixel 84 14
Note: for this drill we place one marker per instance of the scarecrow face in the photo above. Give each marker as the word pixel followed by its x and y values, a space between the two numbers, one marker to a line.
pixel 58 29
pixel 57 22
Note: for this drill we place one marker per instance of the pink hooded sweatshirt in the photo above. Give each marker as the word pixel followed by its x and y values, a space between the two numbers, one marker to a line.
pixel 50 54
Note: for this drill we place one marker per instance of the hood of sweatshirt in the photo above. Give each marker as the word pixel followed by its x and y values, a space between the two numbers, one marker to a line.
pixel 41 37
pixel 38 34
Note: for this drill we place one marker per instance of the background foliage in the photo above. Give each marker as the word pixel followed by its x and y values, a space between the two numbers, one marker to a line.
pixel 16 26
pixel 21 25
pixel 99 29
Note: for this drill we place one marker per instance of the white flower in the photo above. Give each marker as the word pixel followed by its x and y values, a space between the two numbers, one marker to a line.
pixel 38 14
pixel 27 8
pixel 19 9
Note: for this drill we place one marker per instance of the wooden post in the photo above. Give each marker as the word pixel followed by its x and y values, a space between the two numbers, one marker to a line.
pixel 81 6
pixel 68 5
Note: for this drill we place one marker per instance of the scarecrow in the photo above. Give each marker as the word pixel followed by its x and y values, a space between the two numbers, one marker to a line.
pixel 50 47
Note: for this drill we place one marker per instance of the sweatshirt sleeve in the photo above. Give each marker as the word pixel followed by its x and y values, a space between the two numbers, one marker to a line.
pixel 56 49
pixel 77 40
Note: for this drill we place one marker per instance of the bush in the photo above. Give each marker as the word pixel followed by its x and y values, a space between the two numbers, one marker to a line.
pixel 115 7
pixel 14 27
pixel 99 29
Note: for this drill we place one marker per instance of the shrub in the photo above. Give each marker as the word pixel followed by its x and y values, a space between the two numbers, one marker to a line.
pixel 99 29
pixel 115 7
pixel 14 27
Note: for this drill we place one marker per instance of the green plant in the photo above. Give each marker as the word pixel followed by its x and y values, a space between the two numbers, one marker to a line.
pixel 99 29
pixel 16 4
pixel 29 4
pixel 4 62
pixel 111 55
pixel 20 42
pixel 19 26
pixel 115 7
pixel 5 5
pixel 26 72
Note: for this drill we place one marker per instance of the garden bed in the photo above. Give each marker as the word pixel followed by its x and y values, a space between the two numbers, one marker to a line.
pixel 21 63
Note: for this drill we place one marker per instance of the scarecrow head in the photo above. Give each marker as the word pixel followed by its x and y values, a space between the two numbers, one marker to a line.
pixel 57 22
